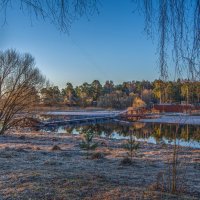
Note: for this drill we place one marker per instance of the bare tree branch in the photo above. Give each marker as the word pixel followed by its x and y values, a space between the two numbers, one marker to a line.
pixel 21 81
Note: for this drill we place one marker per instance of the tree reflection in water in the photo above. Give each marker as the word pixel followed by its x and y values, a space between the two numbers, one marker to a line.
pixel 160 133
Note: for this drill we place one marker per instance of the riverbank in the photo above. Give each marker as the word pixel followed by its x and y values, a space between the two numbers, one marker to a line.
pixel 65 108
pixel 41 165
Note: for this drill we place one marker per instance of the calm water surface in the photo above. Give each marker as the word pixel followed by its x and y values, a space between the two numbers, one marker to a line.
pixel 187 135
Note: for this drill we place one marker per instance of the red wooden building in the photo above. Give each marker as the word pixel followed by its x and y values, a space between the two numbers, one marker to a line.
pixel 174 107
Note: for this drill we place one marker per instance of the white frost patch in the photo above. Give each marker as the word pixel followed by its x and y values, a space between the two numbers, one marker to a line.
pixel 182 119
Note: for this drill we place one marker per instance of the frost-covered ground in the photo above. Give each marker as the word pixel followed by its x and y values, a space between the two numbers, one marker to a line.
pixel 39 165
pixel 181 119
pixel 85 113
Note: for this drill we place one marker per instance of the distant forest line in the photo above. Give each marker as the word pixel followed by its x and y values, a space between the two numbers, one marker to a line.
pixel 110 95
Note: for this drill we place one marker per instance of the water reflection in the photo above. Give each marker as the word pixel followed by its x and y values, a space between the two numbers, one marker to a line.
pixel 188 135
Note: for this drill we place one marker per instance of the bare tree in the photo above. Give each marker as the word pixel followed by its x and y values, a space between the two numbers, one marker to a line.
pixel 19 82
pixel 62 13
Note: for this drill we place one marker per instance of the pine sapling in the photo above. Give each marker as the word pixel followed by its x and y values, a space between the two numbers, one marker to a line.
pixel 132 146
pixel 87 142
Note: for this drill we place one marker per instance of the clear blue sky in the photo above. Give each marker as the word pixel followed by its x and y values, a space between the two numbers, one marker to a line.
pixel 109 46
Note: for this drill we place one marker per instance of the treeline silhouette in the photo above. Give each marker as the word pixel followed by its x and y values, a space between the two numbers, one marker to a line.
pixel 110 95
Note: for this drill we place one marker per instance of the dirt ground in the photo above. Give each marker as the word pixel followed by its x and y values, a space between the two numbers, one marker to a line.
pixel 49 166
